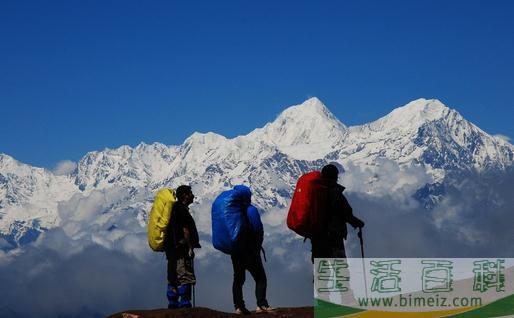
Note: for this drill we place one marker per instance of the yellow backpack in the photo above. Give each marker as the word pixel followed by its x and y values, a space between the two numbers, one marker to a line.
pixel 159 219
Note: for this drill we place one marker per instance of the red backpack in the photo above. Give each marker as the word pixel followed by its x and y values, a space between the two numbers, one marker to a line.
pixel 309 205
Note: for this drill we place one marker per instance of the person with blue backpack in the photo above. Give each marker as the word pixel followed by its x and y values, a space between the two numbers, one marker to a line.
pixel 237 230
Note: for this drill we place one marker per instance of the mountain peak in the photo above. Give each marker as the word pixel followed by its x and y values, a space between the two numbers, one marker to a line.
pixel 305 130
pixel 312 114
pixel 412 115
pixel 314 102
pixel 311 109
pixel 427 108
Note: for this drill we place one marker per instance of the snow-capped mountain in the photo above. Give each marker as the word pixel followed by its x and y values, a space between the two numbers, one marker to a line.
pixel 423 133
pixel 306 131
pixel 137 167
pixel 428 132
pixel 29 198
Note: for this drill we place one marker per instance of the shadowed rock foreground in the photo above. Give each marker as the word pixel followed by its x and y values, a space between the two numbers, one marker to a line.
pixel 199 312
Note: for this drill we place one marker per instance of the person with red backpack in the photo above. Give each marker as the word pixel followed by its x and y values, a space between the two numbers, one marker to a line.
pixel 319 211
pixel 329 242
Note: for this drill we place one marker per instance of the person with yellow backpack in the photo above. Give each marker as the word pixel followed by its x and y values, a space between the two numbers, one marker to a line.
pixel 172 229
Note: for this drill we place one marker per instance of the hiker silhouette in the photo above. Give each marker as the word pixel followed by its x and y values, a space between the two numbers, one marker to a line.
pixel 237 230
pixel 181 239
pixel 328 242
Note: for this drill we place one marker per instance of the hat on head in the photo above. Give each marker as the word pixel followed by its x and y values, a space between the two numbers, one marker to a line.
pixel 330 171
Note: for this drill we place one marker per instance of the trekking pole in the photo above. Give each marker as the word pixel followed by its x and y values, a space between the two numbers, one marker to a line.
pixel 194 296
pixel 359 234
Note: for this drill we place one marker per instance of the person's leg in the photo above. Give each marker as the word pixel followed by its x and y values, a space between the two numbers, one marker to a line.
pixel 239 280
pixel 186 278
pixel 335 247
pixel 320 249
pixel 172 292
pixel 338 251
pixel 173 296
pixel 184 292
pixel 256 269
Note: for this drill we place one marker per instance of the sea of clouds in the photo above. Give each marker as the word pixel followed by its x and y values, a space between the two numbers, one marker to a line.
pixel 98 262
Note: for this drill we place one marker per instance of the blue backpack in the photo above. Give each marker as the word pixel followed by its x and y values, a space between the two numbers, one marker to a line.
pixel 233 215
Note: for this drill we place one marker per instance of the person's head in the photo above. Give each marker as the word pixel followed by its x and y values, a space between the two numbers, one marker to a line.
pixel 330 172
pixel 185 194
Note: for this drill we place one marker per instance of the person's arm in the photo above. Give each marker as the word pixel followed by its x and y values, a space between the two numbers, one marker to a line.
pixel 350 218
pixel 187 238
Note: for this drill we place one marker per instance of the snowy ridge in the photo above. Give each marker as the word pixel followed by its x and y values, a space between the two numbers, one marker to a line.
pixel 29 197
pixel 424 134
pixel 411 116
pixel 137 167
pixel 427 132
pixel 305 131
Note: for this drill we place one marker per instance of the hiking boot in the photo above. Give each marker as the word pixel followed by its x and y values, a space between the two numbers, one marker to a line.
pixel 184 303
pixel 264 309
pixel 173 305
pixel 184 291
pixel 242 311
pixel 172 295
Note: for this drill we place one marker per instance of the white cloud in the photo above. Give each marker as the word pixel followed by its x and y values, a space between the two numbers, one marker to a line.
pixel 64 167
pixel 275 218
pixel 101 261
pixel 386 179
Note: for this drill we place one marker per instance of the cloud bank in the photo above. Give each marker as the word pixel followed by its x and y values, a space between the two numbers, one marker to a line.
pixel 98 262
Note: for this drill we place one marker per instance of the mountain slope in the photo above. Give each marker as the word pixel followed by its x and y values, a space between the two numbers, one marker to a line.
pixel 306 131
pixel 424 133
pixel 29 199
pixel 427 132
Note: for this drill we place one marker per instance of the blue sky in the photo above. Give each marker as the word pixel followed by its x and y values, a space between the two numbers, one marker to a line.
pixel 77 76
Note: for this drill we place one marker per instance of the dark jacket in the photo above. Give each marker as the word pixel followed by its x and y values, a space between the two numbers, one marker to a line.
pixel 250 238
pixel 339 213
pixel 180 219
